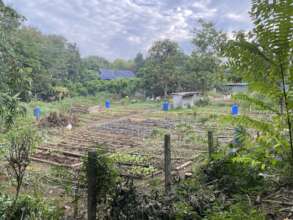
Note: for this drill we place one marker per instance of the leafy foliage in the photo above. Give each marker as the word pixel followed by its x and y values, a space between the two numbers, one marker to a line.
pixel 204 69
pixel 263 57
pixel 167 69
pixel 22 142
pixel 238 211
pixel 161 70
pixel 28 207
pixel 130 204
pixel 10 109
pixel 233 176
pixel 106 176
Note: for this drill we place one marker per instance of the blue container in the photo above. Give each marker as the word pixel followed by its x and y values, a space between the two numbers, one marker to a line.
pixel 107 104
pixel 234 110
pixel 165 106
pixel 37 112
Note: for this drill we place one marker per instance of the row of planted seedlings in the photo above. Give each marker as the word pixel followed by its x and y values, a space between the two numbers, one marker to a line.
pixel 135 165
pixel 128 164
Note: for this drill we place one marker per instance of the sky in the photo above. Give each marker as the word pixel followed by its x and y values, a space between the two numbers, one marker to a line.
pixel 122 28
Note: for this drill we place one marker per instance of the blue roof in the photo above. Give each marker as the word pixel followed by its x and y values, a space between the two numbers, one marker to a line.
pixel 108 74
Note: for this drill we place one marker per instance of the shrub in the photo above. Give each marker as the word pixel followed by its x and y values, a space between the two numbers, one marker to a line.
pixel 21 143
pixel 236 212
pixel 233 176
pixel 28 208
pixel 203 101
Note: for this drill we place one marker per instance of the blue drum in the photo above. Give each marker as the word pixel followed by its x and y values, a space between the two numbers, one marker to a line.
pixel 165 106
pixel 37 112
pixel 234 110
pixel 107 104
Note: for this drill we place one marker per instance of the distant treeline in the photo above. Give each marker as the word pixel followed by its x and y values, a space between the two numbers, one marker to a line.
pixel 36 65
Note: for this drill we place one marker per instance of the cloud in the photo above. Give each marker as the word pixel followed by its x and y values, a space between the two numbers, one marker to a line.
pixel 113 29
pixel 238 17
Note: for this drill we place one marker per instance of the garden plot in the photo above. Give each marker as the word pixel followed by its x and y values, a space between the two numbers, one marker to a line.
pixel 133 139
pixel 136 127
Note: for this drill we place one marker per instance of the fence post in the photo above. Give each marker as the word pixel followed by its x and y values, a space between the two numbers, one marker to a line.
pixel 167 165
pixel 210 143
pixel 92 184
pixel 76 195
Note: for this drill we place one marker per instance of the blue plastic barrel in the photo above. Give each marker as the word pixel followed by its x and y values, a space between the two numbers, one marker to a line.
pixel 107 104
pixel 234 110
pixel 37 112
pixel 165 106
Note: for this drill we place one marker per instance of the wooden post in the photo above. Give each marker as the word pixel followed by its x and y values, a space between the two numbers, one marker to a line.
pixel 167 165
pixel 76 198
pixel 92 184
pixel 210 143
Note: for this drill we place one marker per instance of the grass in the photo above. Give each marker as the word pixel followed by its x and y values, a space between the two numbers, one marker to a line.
pixel 63 105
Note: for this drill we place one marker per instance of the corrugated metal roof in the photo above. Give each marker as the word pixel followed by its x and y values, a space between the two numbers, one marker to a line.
pixel 109 74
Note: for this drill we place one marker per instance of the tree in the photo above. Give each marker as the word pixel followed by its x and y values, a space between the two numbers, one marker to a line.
pixel 207 39
pixel 10 109
pixel 94 63
pixel 162 68
pixel 14 75
pixel 30 44
pixel 122 64
pixel 138 61
pixel 203 68
pixel 22 141
pixel 263 58
pixel 50 59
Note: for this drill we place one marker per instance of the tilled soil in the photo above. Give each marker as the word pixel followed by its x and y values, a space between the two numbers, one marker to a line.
pixel 123 131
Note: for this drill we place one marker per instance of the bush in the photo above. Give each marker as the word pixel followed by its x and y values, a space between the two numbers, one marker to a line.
pixel 236 212
pixel 203 101
pixel 28 208
pixel 130 204
pixel 232 176
pixel 194 199
pixel 185 211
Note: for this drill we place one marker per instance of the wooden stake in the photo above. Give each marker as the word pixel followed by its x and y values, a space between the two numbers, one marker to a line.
pixel 167 167
pixel 210 144
pixel 92 184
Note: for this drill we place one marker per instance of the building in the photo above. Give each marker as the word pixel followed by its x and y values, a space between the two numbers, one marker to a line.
pixel 109 74
pixel 235 87
pixel 185 99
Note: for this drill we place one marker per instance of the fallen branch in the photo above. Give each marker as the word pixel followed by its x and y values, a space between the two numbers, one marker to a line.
pixel 278 202
pixel 182 166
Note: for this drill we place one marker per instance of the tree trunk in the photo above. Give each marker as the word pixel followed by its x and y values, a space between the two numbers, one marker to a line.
pixel 289 123
pixel 165 92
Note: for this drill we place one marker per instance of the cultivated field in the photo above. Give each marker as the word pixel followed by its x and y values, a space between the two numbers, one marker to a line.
pixel 132 135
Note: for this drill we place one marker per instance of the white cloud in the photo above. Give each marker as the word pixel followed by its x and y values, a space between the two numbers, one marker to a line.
pixel 238 17
pixel 135 39
pixel 122 28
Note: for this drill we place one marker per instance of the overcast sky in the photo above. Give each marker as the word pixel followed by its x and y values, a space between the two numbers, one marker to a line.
pixel 121 28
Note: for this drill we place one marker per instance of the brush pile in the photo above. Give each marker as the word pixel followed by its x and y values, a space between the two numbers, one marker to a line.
pixel 55 119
